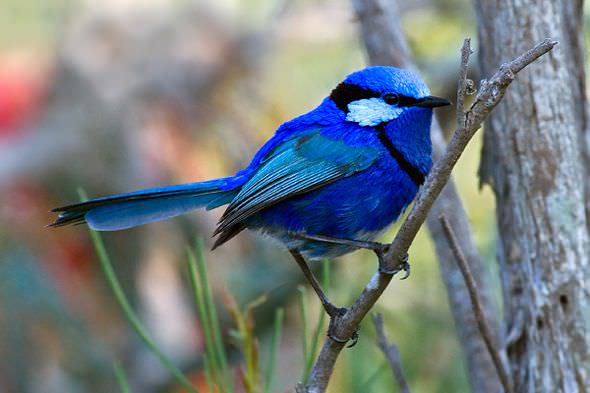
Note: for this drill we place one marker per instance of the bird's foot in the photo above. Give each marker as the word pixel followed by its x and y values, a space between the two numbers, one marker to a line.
pixel 336 313
pixel 403 265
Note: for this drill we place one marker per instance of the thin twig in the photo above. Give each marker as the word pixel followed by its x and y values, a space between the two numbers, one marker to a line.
pixel 489 95
pixel 391 353
pixel 480 317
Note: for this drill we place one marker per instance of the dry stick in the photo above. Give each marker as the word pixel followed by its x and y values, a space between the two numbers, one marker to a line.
pixel 482 323
pixel 391 353
pixel 488 96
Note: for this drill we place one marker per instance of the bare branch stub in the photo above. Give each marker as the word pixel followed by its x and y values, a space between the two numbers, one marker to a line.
pixel 462 86
pixel 488 96
pixel 476 303
pixel 391 353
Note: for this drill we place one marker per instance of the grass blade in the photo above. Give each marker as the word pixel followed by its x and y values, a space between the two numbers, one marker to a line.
pixel 210 359
pixel 121 378
pixel 274 348
pixel 305 329
pixel 111 276
pixel 315 341
pixel 213 317
pixel 208 376
pixel 326 281
pixel 368 384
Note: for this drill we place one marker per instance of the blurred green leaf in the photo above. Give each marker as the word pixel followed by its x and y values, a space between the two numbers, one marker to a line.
pixel 304 329
pixel 211 319
pixel 309 360
pixel 274 347
pixel 210 359
pixel 121 378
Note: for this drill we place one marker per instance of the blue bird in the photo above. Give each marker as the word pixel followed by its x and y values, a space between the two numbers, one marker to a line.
pixel 326 183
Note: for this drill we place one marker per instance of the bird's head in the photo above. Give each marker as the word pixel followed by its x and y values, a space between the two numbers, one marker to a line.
pixel 380 94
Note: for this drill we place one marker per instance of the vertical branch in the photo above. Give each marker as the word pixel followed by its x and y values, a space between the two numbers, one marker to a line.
pixel 484 327
pixel 391 353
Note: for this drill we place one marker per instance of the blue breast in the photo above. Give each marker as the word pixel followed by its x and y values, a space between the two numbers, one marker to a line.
pixel 360 206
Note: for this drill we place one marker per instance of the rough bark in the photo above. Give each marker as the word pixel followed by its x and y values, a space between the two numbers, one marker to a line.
pixel 386 44
pixel 533 159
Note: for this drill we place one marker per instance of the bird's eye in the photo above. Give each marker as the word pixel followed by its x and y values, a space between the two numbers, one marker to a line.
pixel 391 98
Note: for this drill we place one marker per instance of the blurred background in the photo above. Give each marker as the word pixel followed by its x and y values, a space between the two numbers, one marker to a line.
pixel 119 95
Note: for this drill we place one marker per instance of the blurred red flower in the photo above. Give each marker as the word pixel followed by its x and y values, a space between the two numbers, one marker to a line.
pixel 22 89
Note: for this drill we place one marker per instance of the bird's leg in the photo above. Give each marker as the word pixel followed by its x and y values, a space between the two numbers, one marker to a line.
pixel 334 312
pixel 368 245
pixel 380 249
pixel 330 308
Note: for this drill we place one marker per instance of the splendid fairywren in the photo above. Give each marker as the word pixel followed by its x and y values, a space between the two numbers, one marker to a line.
pixel 326 183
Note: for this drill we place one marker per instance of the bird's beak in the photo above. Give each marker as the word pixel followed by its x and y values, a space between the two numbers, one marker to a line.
pixel 432 102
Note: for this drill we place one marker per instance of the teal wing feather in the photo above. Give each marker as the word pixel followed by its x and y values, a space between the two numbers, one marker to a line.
pixel 297 166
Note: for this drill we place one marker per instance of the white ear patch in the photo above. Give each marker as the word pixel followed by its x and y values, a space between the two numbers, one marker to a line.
pixel 371 112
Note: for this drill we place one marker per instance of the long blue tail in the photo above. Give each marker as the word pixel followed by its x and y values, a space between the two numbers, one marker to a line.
pixel 140 207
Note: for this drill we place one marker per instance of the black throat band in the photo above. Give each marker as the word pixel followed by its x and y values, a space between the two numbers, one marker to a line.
pixel 346 93
pixel 406 166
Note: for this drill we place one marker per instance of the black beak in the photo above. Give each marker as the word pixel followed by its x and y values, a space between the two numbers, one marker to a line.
pixel 432 102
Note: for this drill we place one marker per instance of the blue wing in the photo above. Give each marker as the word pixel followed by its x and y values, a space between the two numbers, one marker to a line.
pixel 297 166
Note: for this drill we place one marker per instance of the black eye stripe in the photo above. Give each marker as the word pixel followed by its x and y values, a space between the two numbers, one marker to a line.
pixel 407 101
pixel 346 93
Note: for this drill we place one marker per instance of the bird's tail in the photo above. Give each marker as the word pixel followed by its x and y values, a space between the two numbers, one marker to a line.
pixel 141 207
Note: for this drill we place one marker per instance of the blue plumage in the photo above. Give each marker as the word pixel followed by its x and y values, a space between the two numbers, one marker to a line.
pixel 346 170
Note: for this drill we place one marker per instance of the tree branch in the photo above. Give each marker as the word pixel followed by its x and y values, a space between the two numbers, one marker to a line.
pixel 488 96
pixel 391 353
pixel 386 44
pixel 476 303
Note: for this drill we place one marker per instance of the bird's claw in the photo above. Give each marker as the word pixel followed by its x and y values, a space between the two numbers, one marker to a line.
pixel 353 340
pixel 335 314
pixel 333 337
pixel 404 264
